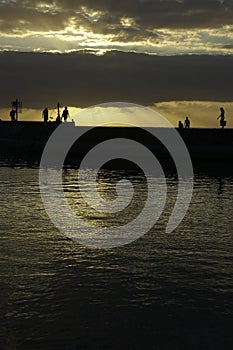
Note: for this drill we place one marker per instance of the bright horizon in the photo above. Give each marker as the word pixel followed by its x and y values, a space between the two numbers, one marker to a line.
pixel 202 114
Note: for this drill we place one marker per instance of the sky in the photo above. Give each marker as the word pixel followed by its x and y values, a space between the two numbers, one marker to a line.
pixel 175 56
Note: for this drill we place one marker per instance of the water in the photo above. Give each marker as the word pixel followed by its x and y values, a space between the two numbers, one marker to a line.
pixel 160 292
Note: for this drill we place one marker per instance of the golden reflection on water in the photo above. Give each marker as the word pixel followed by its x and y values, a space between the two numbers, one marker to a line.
pixel 55 293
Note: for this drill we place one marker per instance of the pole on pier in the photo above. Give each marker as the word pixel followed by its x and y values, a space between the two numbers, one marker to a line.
pixel 16 110
pixel 17 106
pixel 58 111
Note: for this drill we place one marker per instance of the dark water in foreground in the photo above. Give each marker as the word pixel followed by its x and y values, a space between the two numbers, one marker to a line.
pixel 160 292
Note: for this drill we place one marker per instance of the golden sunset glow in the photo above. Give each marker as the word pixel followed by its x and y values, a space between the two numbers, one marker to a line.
pixel 168 54
pixel 164 27
pixel 202 114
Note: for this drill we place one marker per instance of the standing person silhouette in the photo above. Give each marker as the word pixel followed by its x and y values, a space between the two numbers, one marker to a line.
pixel 222 118
pixel 65 114
pixel 12 115
pixel 45 115
pixel 187 123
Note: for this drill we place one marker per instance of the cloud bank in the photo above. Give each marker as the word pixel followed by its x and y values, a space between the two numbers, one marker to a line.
pixel 83 79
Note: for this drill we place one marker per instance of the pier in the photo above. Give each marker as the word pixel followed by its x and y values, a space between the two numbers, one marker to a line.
pixel 28 139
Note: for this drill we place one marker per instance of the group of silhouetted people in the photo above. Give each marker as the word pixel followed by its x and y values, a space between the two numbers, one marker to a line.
pixel 221 116
pixel 45 115
pixel 185 125
pixel 65 115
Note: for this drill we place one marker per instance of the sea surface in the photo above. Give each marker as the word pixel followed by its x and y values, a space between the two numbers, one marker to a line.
pixel 162 291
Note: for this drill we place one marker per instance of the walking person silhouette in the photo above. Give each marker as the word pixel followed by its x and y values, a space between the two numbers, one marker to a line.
pixel 222 118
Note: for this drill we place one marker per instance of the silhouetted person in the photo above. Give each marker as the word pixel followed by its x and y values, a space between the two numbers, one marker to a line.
pixel 65 114
pixel 12 115
pixel 45 115
pixel 187 123
pixel 222 118
pixel 180 125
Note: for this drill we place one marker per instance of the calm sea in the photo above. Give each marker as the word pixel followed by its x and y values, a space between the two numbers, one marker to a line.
pixel 163 291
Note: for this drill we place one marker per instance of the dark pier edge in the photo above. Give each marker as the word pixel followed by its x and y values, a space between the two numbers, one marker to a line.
pixel 210 149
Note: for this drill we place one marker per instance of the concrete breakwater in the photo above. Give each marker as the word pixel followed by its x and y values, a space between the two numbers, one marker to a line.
pixel 28 139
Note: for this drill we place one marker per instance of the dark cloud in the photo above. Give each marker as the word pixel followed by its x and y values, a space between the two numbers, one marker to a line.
pixel 162 13
pixel 20 20
pixel 84 79
pixel 147 15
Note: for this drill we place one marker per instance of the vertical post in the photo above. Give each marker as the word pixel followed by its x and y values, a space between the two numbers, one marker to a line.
pixel 16 109
pixel 58 110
